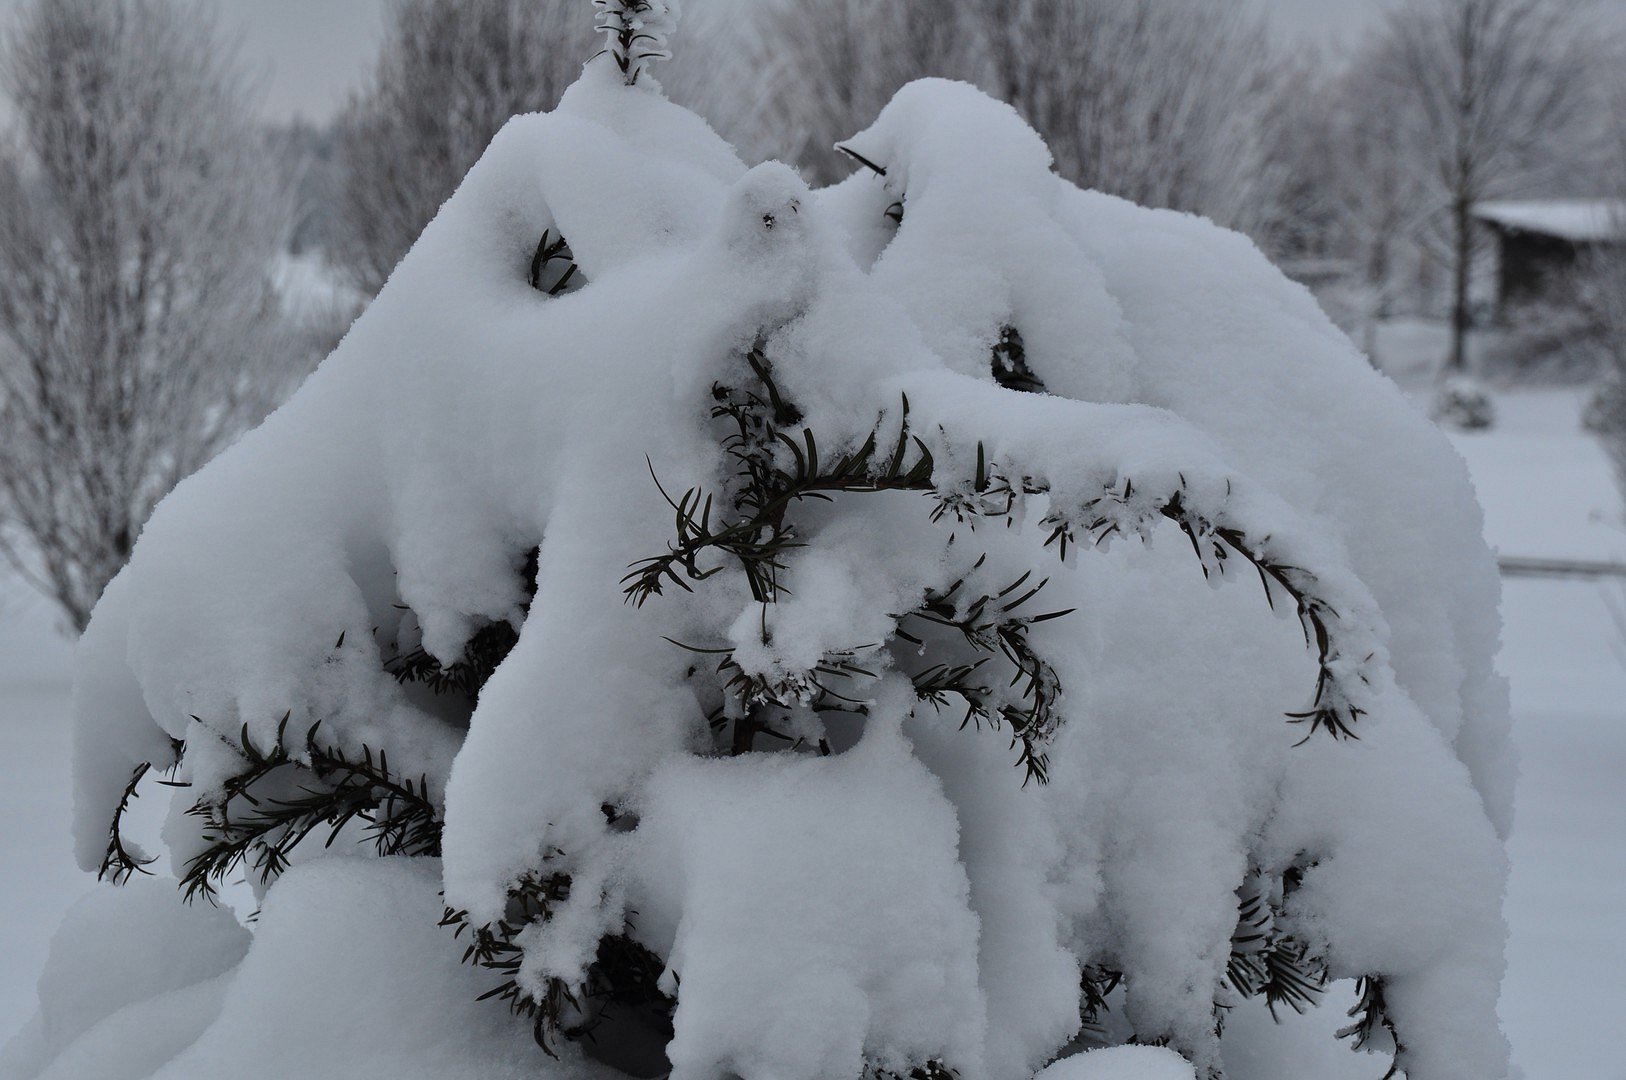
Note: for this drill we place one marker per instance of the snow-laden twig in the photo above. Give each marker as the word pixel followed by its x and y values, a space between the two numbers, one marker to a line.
pixel 638 32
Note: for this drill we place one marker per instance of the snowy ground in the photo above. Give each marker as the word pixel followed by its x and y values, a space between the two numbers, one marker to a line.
pixel 1548 493
pixel 37 875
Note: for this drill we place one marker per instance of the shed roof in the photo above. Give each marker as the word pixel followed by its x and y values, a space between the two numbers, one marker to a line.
pixel 1577 220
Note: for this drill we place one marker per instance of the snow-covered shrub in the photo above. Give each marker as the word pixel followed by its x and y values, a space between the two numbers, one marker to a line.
pixel 710 584
pixel 1461 402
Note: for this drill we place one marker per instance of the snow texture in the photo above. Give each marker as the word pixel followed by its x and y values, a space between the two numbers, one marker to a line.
pixel 906 899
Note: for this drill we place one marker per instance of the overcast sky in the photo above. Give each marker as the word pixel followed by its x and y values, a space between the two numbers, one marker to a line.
pixel 313 51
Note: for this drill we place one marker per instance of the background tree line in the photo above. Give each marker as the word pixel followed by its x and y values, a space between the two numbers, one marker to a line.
pixel 1361 169
pixel 147 219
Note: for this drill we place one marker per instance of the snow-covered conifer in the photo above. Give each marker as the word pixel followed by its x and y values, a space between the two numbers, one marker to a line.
pixel 789 648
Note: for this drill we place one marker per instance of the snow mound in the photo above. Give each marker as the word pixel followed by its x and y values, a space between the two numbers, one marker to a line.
pixel 944 372
pixel 347 954
pixel 1121 1063
pixel 132 978
pixel 867 907
pixel 348 975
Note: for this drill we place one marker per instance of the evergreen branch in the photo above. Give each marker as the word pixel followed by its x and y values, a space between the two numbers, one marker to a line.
pixel 991 624
pixel 489 646
pixel 482 653
pixel 1096 984
pixel 931 1070
pixel 530 899
pixel 1122 510
pixel 1373 1031
pixel 546 275
pixel 760 538
pixel 778 464
pixel 1265 961
pixel 756 695
pixel 636 31
pixel 776 468
pixel 623 973
pixel 323 787
pixel 122 860
pixel 1010 361
pixel 119 863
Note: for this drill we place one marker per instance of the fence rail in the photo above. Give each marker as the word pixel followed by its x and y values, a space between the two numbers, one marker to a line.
pixel 1513 566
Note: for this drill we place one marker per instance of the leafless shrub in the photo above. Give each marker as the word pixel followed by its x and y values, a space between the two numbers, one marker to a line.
pixel 1156 101
pixel 139 327
pixel 451 73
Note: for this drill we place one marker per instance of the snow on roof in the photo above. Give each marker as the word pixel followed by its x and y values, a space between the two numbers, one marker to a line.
pixel 1577 220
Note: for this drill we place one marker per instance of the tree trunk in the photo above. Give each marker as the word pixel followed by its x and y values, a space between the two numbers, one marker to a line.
pixel 1462 223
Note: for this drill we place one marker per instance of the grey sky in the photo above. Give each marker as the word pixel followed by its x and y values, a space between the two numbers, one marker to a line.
pixel 314 51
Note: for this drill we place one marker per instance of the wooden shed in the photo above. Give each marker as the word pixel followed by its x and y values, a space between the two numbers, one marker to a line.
pixel 1539 241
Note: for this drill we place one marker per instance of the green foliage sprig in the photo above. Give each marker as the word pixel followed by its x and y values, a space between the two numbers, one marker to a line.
pixel 1010 363
pixel 1265 961
pixel 530 900
pixel 283 797
pixel 631 29
pixel 1122 509
pixel 991 625
pixel 553 267
pixel 1372 1030
pixel 769 485
pixel 1096 984
pixel 489 646
pixel 623 974
pixel 778 464
pixel 122 859
pixel 931 1070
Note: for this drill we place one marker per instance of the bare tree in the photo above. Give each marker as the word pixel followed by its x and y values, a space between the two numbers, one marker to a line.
pixel 1161 102
pixel 451 73
pixel 827 67
pixel 1301 220
pixel 1350 194
pixel 1155 100
pixel 139 329
pixel 1491 88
